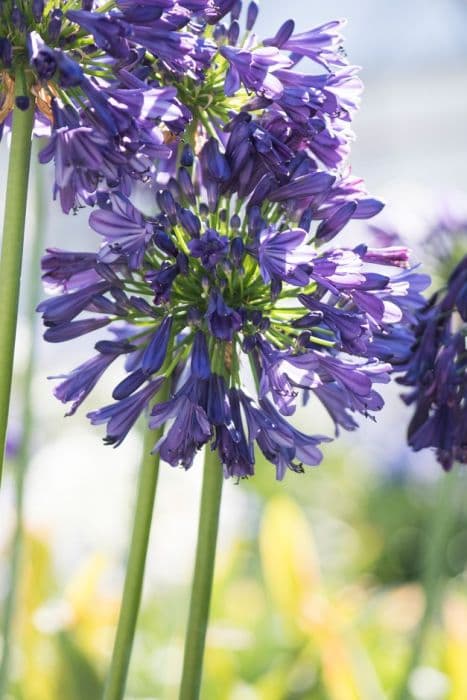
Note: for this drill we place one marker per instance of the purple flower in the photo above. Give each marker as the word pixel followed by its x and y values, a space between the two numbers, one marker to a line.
pixel 255 69
pixel 234 448
pixel 331 226
pixel 436 371
pixel 80 160
pixel 67 271
pixel 162 280
pixel 109 32
pixel 121 416
pixel 156 350
pixel 282 445
pixel 179 51
pixel 351 329
pixel 303 187
pixel 343 90
pixel 200 362
pixel 203 314
pixel 281 254
pixel 124 229
pixel 404 292
pixel 190 430
pixel 229 278
pixel 273 379
pixel 80 382
pixel 111 103
pixel 392 255
pixel 149 103
pixel 64 308
pixel 43 58
pixel 322 44
pixel 215 171
pixel 136 115
pixel 210 248
pixel 73 329
pixel 143 11
pixel 222 321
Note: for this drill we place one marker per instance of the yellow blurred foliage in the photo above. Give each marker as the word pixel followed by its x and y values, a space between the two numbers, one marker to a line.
pixel 95 613
pixel 455 621
pixel 292 574
pixel 59 640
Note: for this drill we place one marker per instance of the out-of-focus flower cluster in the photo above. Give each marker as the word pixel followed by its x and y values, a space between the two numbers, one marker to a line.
pixel 227 294
pixel 437 369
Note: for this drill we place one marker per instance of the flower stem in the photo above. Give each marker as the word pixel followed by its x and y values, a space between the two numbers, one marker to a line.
pixel 116 680
pixel 12 246
pixel 202 581
pixel 22 461
pixel 444 513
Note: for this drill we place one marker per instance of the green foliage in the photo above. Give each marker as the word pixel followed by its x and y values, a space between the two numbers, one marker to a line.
pixel 310 603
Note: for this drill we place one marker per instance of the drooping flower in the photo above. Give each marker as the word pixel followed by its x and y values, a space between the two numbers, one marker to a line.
pixel 429 346
pixel 323 44
pixel 121 416
pixel 437 372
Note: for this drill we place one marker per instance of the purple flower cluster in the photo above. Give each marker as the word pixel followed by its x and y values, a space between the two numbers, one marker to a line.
pixel 228 292
pixel 437 368
pixel 103 80
pixel 116 85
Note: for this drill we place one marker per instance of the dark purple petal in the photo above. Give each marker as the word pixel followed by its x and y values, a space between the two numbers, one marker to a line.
pixel 121 416
pixel 200 363
pixel 80 382
pixel 68 331
pixel 156 350
pixel 223 321
pixel 330 227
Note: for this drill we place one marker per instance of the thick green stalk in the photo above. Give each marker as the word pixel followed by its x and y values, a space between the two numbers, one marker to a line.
pixel 443 516
pixel 12 247
pixel 116 681
pixel 22 461
pixel 203 576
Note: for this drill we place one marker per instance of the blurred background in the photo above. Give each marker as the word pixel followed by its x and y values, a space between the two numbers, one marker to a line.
pixel 318 580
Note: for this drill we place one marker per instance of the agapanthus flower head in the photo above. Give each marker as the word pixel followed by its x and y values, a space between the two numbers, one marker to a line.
pixel 95 73
pixel 228 293
pixel 237 309
pixel 436 371
pixel 118 86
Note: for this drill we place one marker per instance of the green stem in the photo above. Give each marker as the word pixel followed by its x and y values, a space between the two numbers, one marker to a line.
pixel 116 681
pixel 443 516
pixel 12 247
pixel 202 581
pixel 22 461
